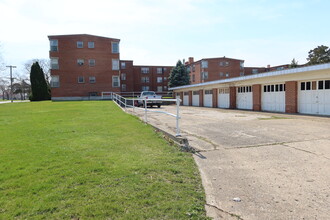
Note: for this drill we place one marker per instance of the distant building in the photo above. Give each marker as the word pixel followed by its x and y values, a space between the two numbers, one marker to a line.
pixel 210 69
pixel 84 66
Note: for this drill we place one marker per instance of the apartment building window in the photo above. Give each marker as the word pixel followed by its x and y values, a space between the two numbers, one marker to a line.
pixel 115 64
pixel 254 71
pixel 80 44
pixel 145 79
pixel 53 45
pixel 188 69
pixel 227 74
pixel 205 64
pixel 115 47
pixel 92 79
pixel 54 63
pixel 159 70
pixel 123 65
pixel 123 76
pixel 159 88
pixel 81 79
pixel 123 87
pixel 91 44
pixel 193 68
pixel 165 78
pixel 224 63
pixel 241 65
pixel 205 75
pixel 241 73
pixel 80 62
pixel 115 81
pixel 55 82
pixel 144 70
pixel 159 79
pixel 193 77
pixel 165 87
pixel 221 74
pixel 91 62
pixel 145 88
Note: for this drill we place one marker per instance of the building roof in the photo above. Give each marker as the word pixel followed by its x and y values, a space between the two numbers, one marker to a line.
pixel 260 75
pixel 85 35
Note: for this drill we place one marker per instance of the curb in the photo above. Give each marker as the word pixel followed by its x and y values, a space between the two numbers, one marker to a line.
pixel 182 142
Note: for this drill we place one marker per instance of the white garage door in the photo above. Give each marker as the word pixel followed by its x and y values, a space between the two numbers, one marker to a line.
pixel 195 99
pixel 273 98
pixel 314 97
pixel 208 98
pixel 186 98
pixel 223 98
pixel 244 97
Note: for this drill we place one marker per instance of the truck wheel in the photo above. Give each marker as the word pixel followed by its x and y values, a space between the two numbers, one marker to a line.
pixel 158 106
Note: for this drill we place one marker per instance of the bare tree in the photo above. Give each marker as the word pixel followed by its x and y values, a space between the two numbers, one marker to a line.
pixel 22 88
pixel 2 64
pixel 4 88
pixel 44 64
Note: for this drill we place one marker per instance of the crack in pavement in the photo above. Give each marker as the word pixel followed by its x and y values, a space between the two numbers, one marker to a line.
pixel 306 151
pixel 221 210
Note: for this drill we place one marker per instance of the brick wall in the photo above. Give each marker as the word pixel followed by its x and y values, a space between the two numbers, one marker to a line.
pixel 190 98
pixel 69 70
pixel 201 98
pixel 256 91
pixel 291 97
pixel 215 98
pixel 232 97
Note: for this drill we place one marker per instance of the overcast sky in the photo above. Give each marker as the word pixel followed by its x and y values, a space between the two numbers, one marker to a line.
pixel 159 32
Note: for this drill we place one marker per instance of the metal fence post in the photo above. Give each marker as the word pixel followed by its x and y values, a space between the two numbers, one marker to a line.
pixel 125 104
pixel 177 117
pixel 145 111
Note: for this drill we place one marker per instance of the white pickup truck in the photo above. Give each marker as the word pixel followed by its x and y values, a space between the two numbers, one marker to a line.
pixel 149 95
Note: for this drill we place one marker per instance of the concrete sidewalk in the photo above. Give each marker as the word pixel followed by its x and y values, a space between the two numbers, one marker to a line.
pixel 275 166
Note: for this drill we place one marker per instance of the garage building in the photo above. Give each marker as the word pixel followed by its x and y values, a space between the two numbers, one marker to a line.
pixel 303 90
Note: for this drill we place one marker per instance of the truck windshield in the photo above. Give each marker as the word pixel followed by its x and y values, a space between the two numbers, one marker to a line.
pixel 148 93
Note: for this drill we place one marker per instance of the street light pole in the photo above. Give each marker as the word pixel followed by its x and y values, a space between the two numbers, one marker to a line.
pixel 11 81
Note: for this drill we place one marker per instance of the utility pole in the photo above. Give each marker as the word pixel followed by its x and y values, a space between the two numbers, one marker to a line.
pixel 11 81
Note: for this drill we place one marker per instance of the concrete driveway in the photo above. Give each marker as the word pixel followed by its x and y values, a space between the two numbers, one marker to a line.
pixel 258 165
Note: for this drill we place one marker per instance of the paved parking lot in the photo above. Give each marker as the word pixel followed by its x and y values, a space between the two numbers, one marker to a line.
pixel 275 166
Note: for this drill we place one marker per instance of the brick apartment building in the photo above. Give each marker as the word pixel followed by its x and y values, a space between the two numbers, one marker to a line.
pixel 143 78
pixel 84 66
pixel 210 69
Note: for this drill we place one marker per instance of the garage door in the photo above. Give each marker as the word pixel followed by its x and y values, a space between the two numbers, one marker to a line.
pixel 273 98
pixel 223 98
pixel 208 98
pixel 314 97
pixel 186 98
pixel 195 98
pixel 244 97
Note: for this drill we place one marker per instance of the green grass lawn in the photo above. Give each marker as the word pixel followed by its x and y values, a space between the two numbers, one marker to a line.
pixel 90 160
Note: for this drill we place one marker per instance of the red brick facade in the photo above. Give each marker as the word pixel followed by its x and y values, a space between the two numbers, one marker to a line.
pixel 232 97
pixel 93 66
pixel 201 98
pixel 256 90
pixel 190 98
pixel 291 97
pixel 215 98
pixel 86 65
pixel 211 69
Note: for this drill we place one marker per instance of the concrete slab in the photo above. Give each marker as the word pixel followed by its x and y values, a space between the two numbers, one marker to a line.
pixel 276 164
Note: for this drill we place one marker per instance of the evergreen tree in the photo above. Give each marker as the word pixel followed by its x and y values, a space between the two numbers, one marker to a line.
pixel 40 89
pixel 179 75
pixel 318 55
pixel 294 63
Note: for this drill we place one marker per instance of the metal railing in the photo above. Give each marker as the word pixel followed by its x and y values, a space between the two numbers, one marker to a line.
pixel 130 103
